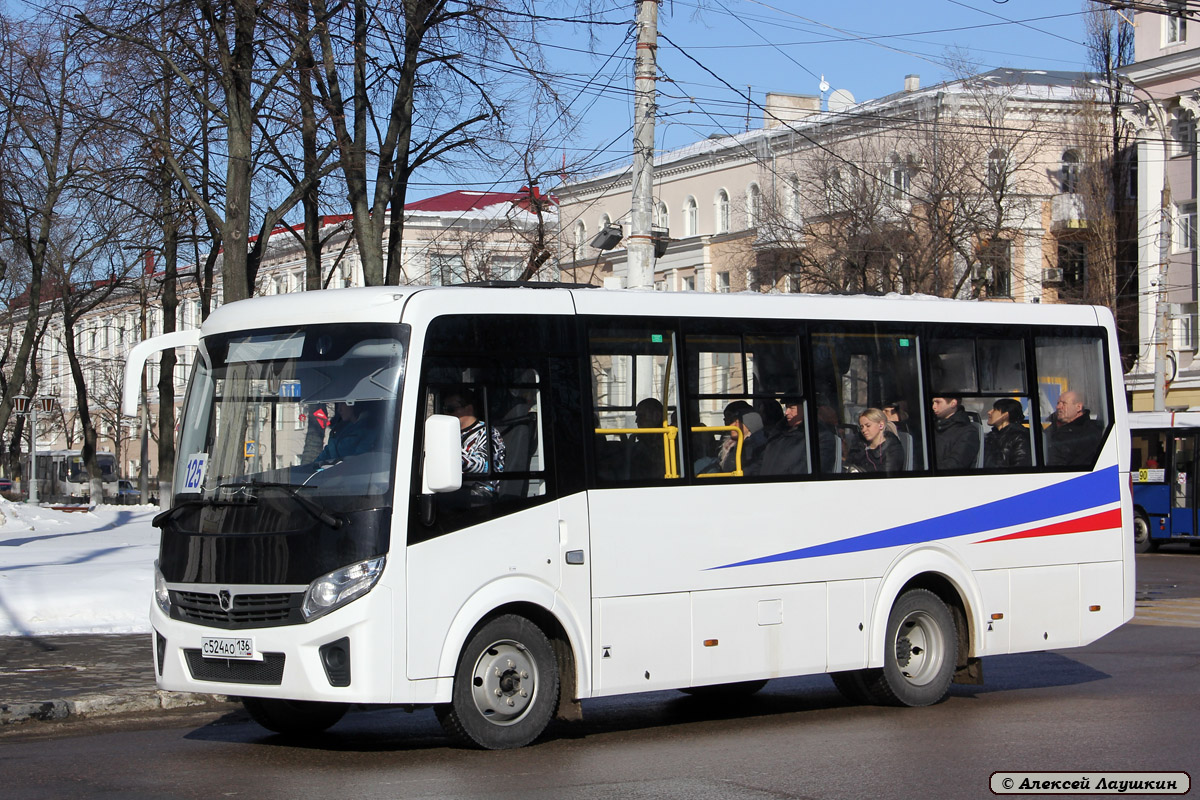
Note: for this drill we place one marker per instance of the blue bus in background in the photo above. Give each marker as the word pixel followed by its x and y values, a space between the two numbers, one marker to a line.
pixel 1163 472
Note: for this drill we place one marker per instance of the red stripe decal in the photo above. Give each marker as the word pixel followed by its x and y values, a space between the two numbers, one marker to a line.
pixel 1094 522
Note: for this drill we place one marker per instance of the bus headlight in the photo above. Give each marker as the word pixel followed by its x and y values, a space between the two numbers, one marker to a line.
pixel 161 595
pixel 340 587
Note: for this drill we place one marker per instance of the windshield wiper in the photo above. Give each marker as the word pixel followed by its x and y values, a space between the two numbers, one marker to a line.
pixel 163 517
pixel 320 514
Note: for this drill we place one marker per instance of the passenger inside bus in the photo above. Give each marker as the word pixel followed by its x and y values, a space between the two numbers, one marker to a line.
pixel 749 424
pixel 1073 436
pixel 883 451
pixel 646 458
pixel 1007 444
pixel 956 440
pixel 786 449
pixel 482 445
pixel 353 431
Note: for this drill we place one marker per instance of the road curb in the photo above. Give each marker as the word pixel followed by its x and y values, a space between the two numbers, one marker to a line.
pixel 102 705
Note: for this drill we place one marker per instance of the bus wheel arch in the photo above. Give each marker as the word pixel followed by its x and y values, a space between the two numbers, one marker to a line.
pixel 510 679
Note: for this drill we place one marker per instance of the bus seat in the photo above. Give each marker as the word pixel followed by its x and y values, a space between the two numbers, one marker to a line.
pixel 906 439
pixel 518 429
pixel 982 431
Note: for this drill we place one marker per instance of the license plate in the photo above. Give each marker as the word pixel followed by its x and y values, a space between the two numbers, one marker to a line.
pixel 218 647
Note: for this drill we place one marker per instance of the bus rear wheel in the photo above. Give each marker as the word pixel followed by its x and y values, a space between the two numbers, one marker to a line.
pixel 505 686
pixel 920 652
pixel 293 717
pixel 1142 543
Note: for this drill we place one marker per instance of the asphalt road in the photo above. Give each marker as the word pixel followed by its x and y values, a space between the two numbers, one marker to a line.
pixel 1127 702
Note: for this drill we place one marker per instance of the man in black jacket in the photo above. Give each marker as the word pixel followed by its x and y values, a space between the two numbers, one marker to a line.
pixel 956 445
pixel 1073 436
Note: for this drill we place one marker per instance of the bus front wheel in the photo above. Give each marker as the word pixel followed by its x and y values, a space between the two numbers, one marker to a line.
pixel 920 652
pixel 293 717
pixel 1142 543
pixel 505 686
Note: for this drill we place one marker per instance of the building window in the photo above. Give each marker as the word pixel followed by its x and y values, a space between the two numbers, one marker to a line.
pixel 753 205
pixel 723 282
pixel 722 209
pixel 997 174
pixel 446 269
pixel 899 178
pixel 690 217
pixel 794 198
pixel 661 218
pixel 1184 239
pixel 689 283
pixel 1072 260
pixel 580 240
pixel 1183 132
pixel 995 267
pixel 1070 172
pixel 1175 24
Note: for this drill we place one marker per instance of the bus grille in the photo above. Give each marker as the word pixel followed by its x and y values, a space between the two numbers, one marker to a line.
pixel 245 611
pixel 268 672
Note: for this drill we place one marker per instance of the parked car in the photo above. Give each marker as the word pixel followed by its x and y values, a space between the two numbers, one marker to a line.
pixel 6 486
pixel 127 493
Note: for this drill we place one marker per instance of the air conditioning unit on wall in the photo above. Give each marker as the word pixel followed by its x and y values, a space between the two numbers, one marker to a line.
pixel 1052 275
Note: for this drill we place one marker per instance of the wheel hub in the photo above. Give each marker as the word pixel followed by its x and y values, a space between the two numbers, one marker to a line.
pixel 504 682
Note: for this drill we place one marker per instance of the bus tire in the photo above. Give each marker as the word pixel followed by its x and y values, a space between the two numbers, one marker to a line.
pixel 293 717
pixel 505 686
pixel 853 684
pixel 726 690
pixel 1142 541
pixel 920 652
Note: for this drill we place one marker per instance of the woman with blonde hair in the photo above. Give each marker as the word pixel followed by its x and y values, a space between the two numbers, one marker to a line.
pixel 883 451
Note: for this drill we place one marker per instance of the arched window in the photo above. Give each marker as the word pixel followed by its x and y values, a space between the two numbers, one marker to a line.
pixel 1070 172
pixel 722 211
pixel 690 217
pixel 997 171
pixel 661 218
pixel 605 221
pixel 580 240
pixel 753 205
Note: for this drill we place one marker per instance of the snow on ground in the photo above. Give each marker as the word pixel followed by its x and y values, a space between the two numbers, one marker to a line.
pixel 76 572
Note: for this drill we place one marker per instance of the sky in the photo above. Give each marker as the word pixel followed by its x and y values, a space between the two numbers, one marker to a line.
pixel 80 572
pixel 713 53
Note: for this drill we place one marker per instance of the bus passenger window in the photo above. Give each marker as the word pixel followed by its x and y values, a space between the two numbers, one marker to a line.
pixel 1072 388
pixel 635 404
pixel 981 403
pixel 866 384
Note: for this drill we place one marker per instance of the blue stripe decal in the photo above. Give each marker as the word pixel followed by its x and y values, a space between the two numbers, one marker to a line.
pixel 1077 494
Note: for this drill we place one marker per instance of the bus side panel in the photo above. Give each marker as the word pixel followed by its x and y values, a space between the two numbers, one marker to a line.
pixel 1045 607
pixel 758 632
pixel 642 642
pixel 1101 595
pixel 456 579
pixel 848 625
pixel 994 590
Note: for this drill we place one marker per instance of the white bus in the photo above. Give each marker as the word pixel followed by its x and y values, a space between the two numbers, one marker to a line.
pixel 62 475
pixel 332 543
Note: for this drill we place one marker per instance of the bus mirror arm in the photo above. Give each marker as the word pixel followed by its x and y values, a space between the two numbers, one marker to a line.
pixel 136 362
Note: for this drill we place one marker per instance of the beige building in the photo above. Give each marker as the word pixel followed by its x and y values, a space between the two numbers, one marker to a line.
pixel 969 188
pixel 1164 103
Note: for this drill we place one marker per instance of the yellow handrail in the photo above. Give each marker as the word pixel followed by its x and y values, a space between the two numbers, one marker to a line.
pixel 668 433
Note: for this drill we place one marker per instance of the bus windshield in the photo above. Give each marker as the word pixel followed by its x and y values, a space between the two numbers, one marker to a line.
pixel 309 411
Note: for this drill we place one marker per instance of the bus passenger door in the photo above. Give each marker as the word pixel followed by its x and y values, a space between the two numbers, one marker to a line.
pixel 1183 487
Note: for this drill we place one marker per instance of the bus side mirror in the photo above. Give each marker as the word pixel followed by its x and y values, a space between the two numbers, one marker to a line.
pixel 442 470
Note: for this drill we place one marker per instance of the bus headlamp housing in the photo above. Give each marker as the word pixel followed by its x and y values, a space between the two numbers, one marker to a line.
pixel 161 595
pixel 340 587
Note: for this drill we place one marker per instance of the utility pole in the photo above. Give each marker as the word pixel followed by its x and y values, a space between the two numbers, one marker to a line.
pixel 639 244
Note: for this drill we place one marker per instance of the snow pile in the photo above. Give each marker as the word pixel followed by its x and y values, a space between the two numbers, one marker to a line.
pixel 77 572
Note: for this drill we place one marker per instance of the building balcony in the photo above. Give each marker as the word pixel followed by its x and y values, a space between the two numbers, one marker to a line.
pixel 1067 212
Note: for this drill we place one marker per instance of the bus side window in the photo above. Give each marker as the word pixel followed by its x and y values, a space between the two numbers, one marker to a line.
pixel 985 376
pixel 861 373
pixel 635 403
pixel 1072 393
